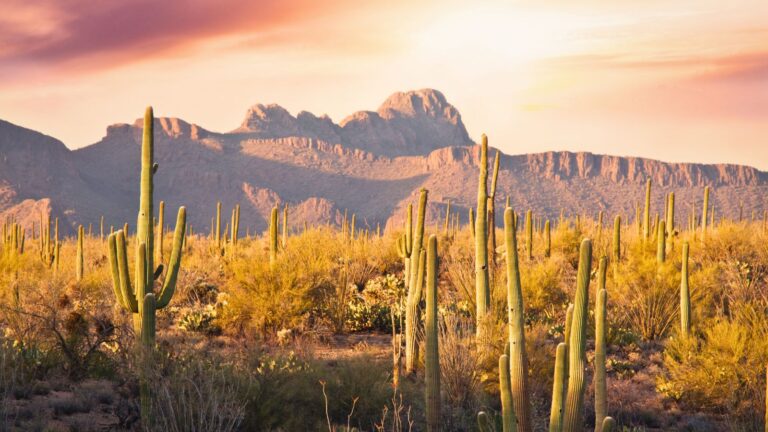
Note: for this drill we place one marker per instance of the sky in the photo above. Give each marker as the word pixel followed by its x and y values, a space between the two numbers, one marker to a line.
pixel 682 80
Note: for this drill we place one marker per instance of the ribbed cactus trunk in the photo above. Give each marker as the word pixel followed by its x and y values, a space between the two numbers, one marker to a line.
pixel 144 225
pixel 492 225
pixel 529 234
pixel 574 405
pixel 285 226
pixel 79 258
pixel 601 408
pixel 685 296
pixel 517 356
pixel 508 421
pixel 217 236
pixel 160 231
pixel 446 225
pixel 558 389
pixel 661 248
pixel 547 240
pixel 704 212
pixel 671 214
pixel 482 296
pixel 472 222
pixel 647 211
pixel 273 236
pixel 414 286
pixel 432 358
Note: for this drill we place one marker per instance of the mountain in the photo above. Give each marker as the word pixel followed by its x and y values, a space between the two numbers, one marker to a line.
pixel 371 163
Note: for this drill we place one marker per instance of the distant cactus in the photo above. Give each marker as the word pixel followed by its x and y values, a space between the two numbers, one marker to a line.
pixel 516 319
pixel 671 215
pixel 273 236
pixel 432 356
pixel 446 226
pixel 79 256
pixel 574 405
pixel 547 240
pixel 685 296
pixel 617 240
pixel 661 249
pixel 529 234
pixel 647 211
pixel 704 211
pixel 482 292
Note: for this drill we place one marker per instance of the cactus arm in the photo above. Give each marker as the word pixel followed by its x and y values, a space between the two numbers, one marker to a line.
pixel 169 285
pixel 114 266
pixel 609 424
pixel 148 309
pixel 129 297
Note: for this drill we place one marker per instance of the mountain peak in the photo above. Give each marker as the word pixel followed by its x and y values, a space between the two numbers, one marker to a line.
pixel 428 102
pixel 270 120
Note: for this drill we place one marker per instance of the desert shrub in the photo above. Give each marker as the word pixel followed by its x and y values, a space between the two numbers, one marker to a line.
pixel 371 308
pixel 543 296
pixel 460 378
pixel 724 372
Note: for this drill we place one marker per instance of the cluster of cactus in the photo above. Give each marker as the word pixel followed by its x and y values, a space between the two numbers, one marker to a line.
pixel 568 397
pixel 13 237
pixel 139 297
pixel 223 242
pixel 49 247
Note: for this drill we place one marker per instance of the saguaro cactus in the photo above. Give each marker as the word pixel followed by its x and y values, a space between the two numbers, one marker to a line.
pixel 671 214
pixel 414 286
pixel 529 234
pixel 704 210
pixel 432 357
pixel 617 240
pixel 558 389
pixel 685 296
pixel 574 405
pixel 508 420
pixel 600 387
pixel 273 236
pixel 482 294
pixel 547 240
pixel 647 211
pixel 160 230
pixel 517 356
pixel 661 249
pixel 79 257
pixel 492 223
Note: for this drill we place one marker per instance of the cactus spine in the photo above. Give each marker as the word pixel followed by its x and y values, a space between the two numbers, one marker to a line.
pixel 482 295
pixel 432 358
pixel 558 389
pixel 685 296
pixel 517 358
pixel 547 240
pixel 79 257
pixel 647 211
pixel 577 344
pixel 508 421
pixel 414 286
pixel 600 311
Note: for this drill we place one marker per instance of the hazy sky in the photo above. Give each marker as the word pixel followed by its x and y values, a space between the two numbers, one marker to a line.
pixel 678 80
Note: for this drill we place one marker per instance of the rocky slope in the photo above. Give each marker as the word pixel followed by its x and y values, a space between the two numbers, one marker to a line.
pixel 372 164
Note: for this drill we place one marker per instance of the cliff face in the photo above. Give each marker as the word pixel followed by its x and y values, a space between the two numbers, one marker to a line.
pixel 371 164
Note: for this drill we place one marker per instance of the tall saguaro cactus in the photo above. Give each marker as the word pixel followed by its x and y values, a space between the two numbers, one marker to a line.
pixel 139 298
pixel 661 248
pixel 547 240
pixel 432 357
pixel 685 296
pixel 273 236
pixel 574 404
pixel 704 210
pixel 600 312
pixel 529 234
pixel 517 356
pixel 559 388
pixel 414 286
pixel 508 421
pixel 482 294
pixel 79 257
pixel 647 211
pixel 671 214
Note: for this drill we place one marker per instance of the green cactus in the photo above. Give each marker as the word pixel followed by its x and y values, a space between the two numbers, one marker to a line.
pixel 432 357
pixel 558 389
pixel 508 420
pixel 414 286
pixel 492 223
pixel 617 239
pixel 647 211
pixel 517 356
pixel 547 240
pixel 217 237
pixel 529 234
pixel 574 405
pixel 160 230
pixel 472 222
pixel 661 249
pixel 671 215
pixel 236 226
pixel 79 257
pixel 447 217
pixel 600 312
pixel 482 294
pixel 685 296
pixel 484 422
pixel 704 210
pixel 140 298
pixel 273 237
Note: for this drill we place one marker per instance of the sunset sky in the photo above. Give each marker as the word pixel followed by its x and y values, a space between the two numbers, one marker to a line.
pixel 677 80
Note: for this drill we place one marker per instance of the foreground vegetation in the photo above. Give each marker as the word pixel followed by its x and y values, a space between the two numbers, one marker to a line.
pixel 655 324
